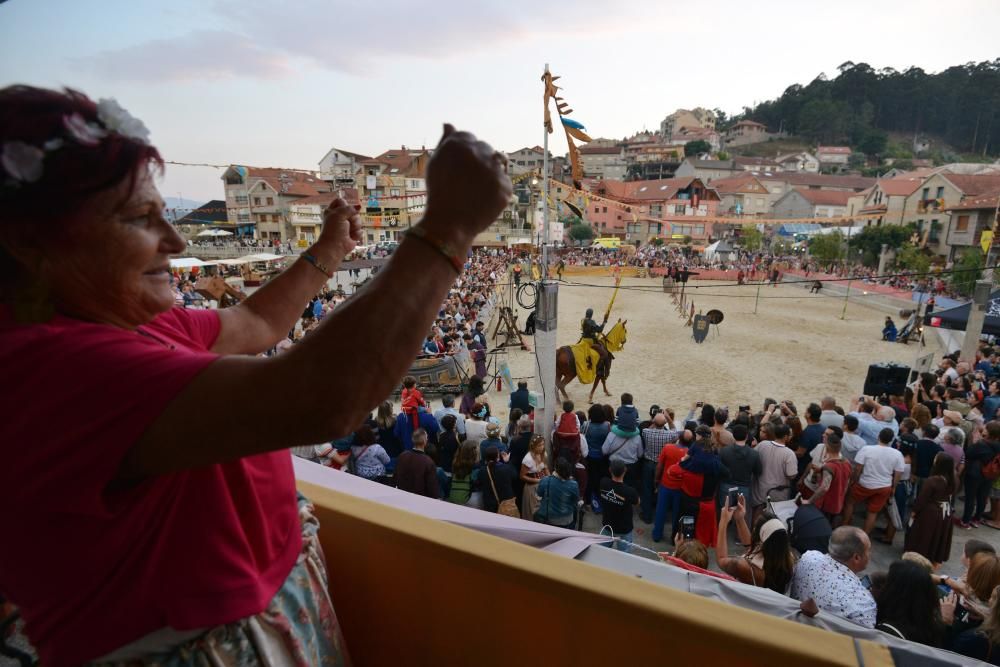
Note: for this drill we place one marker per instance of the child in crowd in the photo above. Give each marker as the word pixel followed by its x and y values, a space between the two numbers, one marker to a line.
pixel 627 418
pixel 412 400
pixel 568 424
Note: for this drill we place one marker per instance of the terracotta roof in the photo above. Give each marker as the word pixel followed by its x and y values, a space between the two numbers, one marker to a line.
pixel 901 186
pixel 825 197
pixel 856 183
pixel 841 150
pixel 738 184
pixel 641 191
pixel 406 161
pixel 987 200
pixel 289 182
pixel 974 184
pixel 749 123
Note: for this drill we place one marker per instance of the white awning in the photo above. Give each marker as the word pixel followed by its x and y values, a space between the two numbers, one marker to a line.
pixel 187 262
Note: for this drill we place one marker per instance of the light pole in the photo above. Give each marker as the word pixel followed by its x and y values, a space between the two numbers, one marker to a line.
pixel 546 316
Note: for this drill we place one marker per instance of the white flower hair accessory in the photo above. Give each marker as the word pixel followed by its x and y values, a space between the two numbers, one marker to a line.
pixel 21 161
pixel 82 131
pixel 118 120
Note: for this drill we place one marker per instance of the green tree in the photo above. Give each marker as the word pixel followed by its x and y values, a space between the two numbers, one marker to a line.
pixel 693 148
pixel 752 239
pixel 580 232
pixel 912 258
pixel 873 142
pixel 856 160
pixel 872 238
pixel 723 155
pixel 959 106
pixel 968 269
pixel 827 247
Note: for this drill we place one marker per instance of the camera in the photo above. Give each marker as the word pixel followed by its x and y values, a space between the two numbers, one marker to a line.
pixel 733 494
pixel 687 527
pixel 744 408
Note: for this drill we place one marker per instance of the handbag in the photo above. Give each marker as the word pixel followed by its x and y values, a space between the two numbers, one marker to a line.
pixel 893 510
pixel 506 507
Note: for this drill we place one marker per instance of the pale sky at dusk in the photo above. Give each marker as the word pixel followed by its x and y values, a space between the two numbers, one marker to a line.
pixel 278 83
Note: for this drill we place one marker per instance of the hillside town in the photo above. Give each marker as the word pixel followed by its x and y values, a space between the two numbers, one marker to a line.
pixel 686 183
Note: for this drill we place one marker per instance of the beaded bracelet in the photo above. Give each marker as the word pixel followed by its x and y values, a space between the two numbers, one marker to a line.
pixel 443 247
pixel 320 266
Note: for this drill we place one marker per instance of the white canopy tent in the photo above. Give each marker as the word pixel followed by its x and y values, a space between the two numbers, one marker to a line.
pixel 188 262
pixel 262 257
pixel 215 232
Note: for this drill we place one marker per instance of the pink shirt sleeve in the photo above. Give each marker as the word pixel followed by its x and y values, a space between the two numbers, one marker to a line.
pixel 110 384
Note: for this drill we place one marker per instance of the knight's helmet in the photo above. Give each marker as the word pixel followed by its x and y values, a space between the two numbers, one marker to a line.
pixel 590 312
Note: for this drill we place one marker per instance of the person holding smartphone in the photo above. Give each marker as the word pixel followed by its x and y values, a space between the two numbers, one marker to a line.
pixel 769 561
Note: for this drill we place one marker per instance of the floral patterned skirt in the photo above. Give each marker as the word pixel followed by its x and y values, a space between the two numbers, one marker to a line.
pixel 297 629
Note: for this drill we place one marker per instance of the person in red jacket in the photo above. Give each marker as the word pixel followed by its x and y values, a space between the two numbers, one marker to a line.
pixel 825 485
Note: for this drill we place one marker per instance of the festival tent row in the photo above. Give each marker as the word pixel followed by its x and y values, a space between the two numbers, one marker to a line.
pixel 190 262
pixel 957 318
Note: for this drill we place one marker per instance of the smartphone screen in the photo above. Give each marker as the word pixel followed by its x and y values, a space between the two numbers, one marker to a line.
pixel 944 590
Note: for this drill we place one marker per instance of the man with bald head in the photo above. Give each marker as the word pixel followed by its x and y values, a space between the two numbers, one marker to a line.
pixel 829 416
pixel 831 579
pixel 654 438
pixel 872 418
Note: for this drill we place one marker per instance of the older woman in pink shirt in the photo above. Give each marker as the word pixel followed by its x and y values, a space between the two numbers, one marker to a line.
pixel 151 527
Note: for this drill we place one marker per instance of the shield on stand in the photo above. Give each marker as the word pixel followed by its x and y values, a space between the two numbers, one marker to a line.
pixel 700 328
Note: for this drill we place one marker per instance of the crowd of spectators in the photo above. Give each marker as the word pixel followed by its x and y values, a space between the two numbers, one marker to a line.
pixel 701 476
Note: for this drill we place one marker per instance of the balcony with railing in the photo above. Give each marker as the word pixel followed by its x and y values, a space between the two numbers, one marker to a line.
pixel 395 558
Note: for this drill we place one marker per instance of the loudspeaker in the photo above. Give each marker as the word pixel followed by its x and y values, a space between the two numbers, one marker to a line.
pixel 886 379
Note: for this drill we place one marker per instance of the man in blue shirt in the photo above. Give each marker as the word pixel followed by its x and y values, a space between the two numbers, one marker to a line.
pixel 872 418
pixel 448 408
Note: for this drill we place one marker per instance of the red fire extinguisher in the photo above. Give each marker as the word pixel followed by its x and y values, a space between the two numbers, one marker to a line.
pixel 499 384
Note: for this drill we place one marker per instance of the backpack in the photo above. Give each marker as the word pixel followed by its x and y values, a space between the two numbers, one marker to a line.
pixel 461 490
pixel 991 469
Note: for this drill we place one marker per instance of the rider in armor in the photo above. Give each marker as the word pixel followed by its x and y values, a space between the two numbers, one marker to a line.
pixel 591 330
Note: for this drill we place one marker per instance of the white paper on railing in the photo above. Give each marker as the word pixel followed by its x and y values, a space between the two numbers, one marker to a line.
pixel 560 541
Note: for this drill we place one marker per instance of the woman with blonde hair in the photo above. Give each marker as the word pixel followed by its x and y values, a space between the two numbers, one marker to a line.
pixel 532 471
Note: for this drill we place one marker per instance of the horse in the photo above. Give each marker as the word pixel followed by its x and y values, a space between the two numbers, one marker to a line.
pixel 566 363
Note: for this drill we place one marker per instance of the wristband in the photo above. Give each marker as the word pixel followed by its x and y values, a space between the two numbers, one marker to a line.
pixel 320 266
pixel 443 247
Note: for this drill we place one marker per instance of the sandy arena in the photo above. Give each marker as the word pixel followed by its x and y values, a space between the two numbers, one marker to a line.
pixel 796 347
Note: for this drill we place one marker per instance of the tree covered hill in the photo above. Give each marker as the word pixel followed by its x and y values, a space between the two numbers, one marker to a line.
pixel 960 106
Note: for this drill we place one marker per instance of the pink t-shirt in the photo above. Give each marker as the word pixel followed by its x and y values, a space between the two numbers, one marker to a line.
pixel 95 567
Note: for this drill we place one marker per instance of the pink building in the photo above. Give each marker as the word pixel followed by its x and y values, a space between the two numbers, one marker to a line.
pixel 642 210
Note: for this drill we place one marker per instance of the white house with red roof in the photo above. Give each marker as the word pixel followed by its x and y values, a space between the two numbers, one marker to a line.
pixel 833 157
pixel 261 196
pixel 392 190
